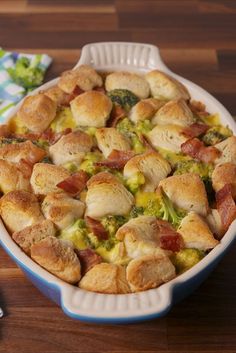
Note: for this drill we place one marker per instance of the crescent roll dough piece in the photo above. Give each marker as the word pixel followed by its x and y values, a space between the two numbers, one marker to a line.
pixel 84 77
pixel 224 174
pixel 20 209
pixel 149 271
pixel 58 257
pixel 33 234
pixel 11 178
pixel 174 112
pixel 109 139
pixel 228 150
pixel 165 87
pixel 140 236
pixel 151 165
pixel 127 80
pixel 169 137
pixel 91 109
pixel 107 196
pixel 62 209
pixel 57 95
pixel 24 150
pixel 37 112
pixel 46 176
pixel 145 109
pixel 105 278
pixel 187 191
pixel 71 148
pixel 196 233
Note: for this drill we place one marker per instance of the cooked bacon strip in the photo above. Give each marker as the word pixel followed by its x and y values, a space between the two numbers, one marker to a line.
pixel 117 113
pixel 88 259
pixel 25 167
pixel 99 89
pixel 226 205
pixel 169 238
pixel 195 130
pixel 198 108
pixel 97 228
pixel 196 149
pixel 29 136
pixel 116 159
pixel 77 91
pixel 75 183
pixel 52 137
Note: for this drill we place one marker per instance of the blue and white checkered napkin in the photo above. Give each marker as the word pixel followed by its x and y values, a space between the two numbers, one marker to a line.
pixel 11 92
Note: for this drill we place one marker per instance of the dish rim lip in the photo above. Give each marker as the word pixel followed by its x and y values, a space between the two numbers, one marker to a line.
pixel 165 290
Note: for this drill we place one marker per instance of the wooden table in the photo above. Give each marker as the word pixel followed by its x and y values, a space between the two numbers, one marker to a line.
pixel 197 40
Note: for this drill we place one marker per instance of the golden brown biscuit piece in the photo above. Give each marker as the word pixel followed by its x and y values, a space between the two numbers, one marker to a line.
pixel 37 112
pixel 127 80
pixel 153 167
pixel 196 233
pixel 145 109
pixel 71 148
pixel 224 174
pixel 109 139
pixel 91 109
pixel 20 209
pixel 107 196
pixel 28 236
pixel 105 278
pixel 228 151
pixel 140 236
pixel 58 257
pixel 174 112
pixel 213 220
pixel 24 150
pixel 12 178
pixel 45 177
pixel 149 271
pixel 83 76
pixel 62 209
pixel 187 191
pixel 168 137
pixel 57 95
pixel 163 86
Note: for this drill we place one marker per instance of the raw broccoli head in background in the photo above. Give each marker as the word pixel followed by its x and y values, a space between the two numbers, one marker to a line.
pixel 26 74
pixel 186 258
pixel 123 97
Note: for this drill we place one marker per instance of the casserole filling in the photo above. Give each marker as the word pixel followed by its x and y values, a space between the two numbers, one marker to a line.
pixel 116 182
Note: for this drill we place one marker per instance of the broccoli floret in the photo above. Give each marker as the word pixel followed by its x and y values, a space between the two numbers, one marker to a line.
pixel 127 128
pixel 88 164
pixel 77 234
pixel 9 141
pixel 133 183
pixel 26 74
pixel 136 211
pixel 113 223
pixel 216 134
pixel 123 97
pixel 160 206
pixel 186 258
pixel 144 126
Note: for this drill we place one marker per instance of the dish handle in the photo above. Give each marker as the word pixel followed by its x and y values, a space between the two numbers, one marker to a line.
pixel 122 56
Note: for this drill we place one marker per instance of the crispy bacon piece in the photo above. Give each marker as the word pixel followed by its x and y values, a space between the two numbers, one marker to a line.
pixel 52 137
pixel 88 259
pixel 226 206
pixel 196 149
pixel 75 183
pixel 4 131
pixel 29 136
pixel 116 159
pixel 195 130
pixel 117 113
pixel 77 91
pixel 99 89
pixel 169 238
pixel 198 108
pixel 97 228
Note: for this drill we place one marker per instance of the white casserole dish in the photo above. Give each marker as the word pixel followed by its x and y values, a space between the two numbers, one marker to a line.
pixel 94 307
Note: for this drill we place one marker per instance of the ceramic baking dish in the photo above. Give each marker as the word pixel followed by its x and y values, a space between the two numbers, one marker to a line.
pixel 94 307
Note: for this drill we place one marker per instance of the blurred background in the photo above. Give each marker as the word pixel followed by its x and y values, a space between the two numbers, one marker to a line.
pixel 197 38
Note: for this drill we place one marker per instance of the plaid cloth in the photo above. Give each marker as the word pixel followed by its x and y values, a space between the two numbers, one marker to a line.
pixel 10 92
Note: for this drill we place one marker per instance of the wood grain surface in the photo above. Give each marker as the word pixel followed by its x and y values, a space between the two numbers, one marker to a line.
pixel 197 40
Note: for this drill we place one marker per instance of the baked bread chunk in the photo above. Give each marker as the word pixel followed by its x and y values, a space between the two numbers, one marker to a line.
pixel 163 86
pixel 91 109
pixel 224 174
pixel 106 278
pixel 145 109
pixel 58 257
pixel 109 139
pixel 24 150
pixel 130 81
pixel 12 178
pixel 28 236
pixel 57 95
pixel 37 112
pixel 228 151
pixel 20 209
